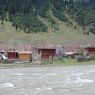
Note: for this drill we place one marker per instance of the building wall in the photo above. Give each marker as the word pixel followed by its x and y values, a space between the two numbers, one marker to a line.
pixel 25 57
pixel 47 53
pixel 90 50
pixel 12 55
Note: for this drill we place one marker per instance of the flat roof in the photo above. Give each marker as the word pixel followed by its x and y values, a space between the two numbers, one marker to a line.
pixel 2 50
pixel 25 52
pixel 12 51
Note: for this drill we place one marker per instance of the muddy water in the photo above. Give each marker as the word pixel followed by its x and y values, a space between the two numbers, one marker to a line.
pixel 73 80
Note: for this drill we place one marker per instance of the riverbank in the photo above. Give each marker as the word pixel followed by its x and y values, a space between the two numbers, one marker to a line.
pixel 56 62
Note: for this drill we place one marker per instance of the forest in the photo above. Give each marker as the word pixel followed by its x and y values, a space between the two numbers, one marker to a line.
pixel 24 13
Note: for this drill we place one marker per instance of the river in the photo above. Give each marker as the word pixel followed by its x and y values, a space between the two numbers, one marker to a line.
pixel 57 80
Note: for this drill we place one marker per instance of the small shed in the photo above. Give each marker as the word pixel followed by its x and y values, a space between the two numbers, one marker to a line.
pixel 72 50
pixel 13 55
pixel 89 50
pixel 47 51
pixel 25 56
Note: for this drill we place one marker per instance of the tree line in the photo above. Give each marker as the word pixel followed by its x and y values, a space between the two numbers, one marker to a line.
pixel 24 13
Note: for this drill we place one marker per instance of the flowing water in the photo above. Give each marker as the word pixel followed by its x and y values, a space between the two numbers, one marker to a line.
pixel 71 80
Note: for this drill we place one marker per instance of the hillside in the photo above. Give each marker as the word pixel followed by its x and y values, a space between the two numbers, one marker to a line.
pixel 65 35
pixel 24 13
pixel 49 21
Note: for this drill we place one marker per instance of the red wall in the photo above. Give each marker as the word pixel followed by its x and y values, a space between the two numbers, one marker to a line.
pixel 90 50
pixel 47 53
pixel 12 55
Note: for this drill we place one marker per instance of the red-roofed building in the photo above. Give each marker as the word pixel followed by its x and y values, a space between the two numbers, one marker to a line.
pixel 89 50
pixel 72 50
pixel 46 51
pixel 12 54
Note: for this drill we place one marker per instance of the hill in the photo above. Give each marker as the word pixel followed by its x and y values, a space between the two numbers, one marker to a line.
pixel 49 21
pixel 66 35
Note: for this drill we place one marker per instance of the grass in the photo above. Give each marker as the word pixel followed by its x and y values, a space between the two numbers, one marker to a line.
pixel 66 62
pixel 55 62
pixel 15 65
pixel 65 35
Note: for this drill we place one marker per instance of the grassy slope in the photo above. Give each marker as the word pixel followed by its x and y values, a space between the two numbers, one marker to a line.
pixel 65 35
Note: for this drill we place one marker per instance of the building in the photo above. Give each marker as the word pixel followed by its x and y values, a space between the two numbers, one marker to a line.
pixel 71 50
pixel 46 51
pixel 12 55
pixel 25 56
pixel 89 50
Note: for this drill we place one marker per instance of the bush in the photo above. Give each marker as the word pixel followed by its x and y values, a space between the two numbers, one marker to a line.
pixel 75 27
pixel 84 58
pixel 60 15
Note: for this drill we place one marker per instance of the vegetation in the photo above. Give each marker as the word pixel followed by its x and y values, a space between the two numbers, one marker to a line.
pixel 85 17
pixel 24 13
pixel 55 62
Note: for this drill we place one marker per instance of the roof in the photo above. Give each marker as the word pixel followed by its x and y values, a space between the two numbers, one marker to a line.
pixel 72 48
pixel 13 51
pixel 46 46
pixel 27 52
pixel 2 50
pixel 90 47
